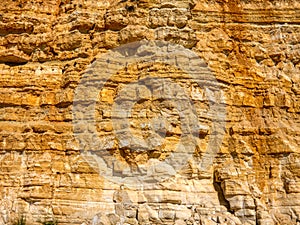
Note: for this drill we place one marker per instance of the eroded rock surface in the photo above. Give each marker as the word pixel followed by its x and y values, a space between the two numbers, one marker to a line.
pixel 252 49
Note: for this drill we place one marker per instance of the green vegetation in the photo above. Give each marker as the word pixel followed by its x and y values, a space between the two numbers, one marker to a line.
pixel 20 221
pixel 50 222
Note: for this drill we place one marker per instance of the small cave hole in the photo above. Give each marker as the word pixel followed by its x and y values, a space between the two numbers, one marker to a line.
pixel 130 8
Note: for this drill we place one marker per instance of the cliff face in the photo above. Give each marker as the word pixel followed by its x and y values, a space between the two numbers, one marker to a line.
pixel 252 49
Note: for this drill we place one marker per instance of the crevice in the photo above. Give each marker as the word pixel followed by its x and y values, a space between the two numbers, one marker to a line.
pixel 221 197
pixel 15 63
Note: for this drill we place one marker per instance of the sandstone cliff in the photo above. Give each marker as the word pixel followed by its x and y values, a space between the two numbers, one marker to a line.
pixel 252 50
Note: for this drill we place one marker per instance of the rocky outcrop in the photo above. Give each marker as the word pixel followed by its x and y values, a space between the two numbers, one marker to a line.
pixel 252 52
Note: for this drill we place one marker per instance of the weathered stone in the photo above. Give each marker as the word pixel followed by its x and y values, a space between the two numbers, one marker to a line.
pixel 252 50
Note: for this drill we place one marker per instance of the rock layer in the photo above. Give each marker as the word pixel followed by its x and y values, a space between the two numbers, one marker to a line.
pixel 252 48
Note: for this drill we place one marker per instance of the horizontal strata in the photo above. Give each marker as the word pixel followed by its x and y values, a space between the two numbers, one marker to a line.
pixel 260 17
pixel 250 47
